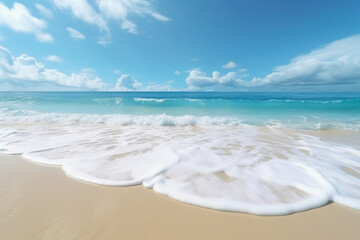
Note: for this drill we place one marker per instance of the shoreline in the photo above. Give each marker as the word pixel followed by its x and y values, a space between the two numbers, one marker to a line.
pixel 38 202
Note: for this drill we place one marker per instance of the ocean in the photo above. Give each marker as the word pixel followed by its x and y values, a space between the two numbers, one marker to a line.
pixel 258 153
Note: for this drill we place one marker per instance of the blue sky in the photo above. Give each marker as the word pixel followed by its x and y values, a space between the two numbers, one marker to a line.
pixel 201 45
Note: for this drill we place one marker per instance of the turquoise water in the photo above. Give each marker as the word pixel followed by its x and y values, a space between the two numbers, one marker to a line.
pixel 259 153
pixel 302 110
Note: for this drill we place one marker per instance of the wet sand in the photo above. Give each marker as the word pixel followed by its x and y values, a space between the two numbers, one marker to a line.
pixel 40 202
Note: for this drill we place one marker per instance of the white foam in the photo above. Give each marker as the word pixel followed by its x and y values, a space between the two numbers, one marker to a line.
pixel 298 122
pixel 194 100
pixel 158 100
pixel 253 169
pixel 306 101
pixel 116 119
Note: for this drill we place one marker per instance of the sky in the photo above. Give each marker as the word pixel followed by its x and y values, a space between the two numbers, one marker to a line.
pixel 184 45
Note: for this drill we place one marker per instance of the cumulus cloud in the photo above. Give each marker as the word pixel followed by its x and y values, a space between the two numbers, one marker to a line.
pixel 326 68
pixel 127 83
pixel 198 79
pixel 43 10
pixel 336 63
pixel 230 64
pixel 75 33
pixel 26 70
pixel 177 72
pixel 122 9
pixel 19 19
pixel 53 58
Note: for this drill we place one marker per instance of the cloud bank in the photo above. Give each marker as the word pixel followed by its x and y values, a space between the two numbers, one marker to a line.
pixel 26 73
pixel 198 79
pixel 335 64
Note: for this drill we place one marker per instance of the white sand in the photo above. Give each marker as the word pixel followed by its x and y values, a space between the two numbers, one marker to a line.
pixel 40 202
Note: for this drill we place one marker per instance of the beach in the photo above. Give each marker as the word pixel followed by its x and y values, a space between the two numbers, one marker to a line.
pixel 179 166
pixel 146 119
pixel 40 202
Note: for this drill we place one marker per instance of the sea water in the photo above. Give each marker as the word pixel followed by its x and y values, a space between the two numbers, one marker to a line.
pixel 260 153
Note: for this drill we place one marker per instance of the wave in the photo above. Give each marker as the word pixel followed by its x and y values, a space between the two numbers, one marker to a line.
pixel 294 122
pixel 160 100
pixel 115 119
pixel 309 101
pixel 149 100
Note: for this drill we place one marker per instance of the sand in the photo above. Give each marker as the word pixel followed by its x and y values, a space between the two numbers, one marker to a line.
pixel 40 202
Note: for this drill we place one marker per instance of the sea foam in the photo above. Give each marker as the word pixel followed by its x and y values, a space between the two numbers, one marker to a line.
pixel 253 169
pixel 293 122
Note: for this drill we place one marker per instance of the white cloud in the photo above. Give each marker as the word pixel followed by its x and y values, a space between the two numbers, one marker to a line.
pixel 75 33
pixel 159 17
pixel 335 66
pixel 194 59
pixel 83 11
pixel 119 10
pixel 177 72
pixel 129 26
pixel 198 79
pixel 230 64
pixel 19 19
pixel 127 83
pixel 53 58
pixel 44 37
pixel 43 10
pixel 25 70
pixel 337 63
pixel 122 9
